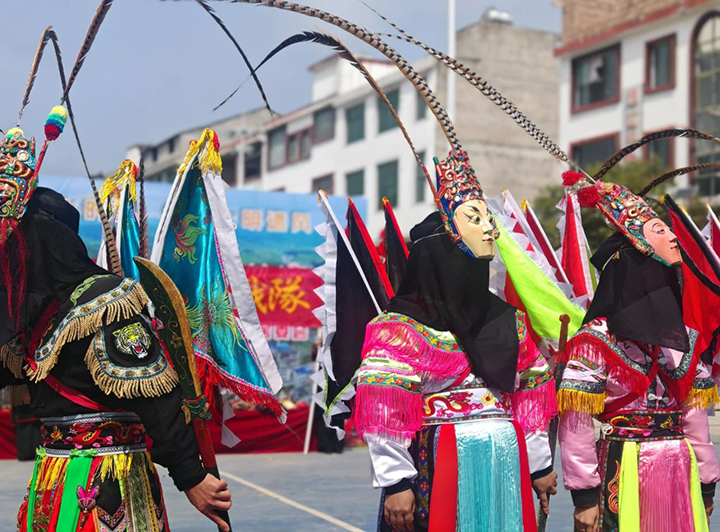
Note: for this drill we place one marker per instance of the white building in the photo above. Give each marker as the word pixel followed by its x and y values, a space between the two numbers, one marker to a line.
pixel 347 143
pixel 631 68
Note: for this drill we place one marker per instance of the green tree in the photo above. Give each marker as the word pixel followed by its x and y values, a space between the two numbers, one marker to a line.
pixel 632 174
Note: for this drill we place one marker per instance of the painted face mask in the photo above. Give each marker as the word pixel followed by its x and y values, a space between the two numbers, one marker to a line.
pixel 629 214
pixel 18 179
pixel 463 208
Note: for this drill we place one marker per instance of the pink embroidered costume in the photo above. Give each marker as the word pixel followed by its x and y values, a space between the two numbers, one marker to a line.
pixel 654 438
pixel 419 406
pixel 643 375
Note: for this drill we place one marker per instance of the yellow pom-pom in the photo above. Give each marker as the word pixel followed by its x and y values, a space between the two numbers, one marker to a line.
pixel 60 110
pixel 16 131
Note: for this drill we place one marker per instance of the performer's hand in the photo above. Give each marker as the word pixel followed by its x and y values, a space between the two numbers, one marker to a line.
pixel 400 510
pixel 210 495
pixel 586 518
pixel 545 486
pixel 709 506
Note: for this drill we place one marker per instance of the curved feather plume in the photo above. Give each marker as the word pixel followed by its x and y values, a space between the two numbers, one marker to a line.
pixel 47 35
pixel 143 223
pixel 345 53
pixel 675 173
pixel 482 85
pixel 376 42
pixel 647 139
pixel 210 11
pixel 114 255
pixel 88 41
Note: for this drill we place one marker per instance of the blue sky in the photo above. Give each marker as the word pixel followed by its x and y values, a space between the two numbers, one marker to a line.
pixel 161 66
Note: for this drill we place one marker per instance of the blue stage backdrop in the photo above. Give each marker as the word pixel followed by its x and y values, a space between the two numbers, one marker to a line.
pixel 273 228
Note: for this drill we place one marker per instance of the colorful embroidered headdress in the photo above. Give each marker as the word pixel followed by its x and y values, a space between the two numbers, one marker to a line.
pixel 625 211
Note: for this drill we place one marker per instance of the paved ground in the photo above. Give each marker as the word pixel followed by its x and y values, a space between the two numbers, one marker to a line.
pixel 318 493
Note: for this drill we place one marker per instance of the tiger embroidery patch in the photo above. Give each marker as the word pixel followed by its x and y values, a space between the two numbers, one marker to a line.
pixel 133 340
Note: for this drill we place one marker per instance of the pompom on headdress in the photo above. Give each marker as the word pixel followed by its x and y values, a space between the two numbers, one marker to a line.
pixel 625 211
pixel 19 169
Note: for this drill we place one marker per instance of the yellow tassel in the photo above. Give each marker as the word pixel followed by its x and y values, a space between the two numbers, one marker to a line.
pixel 130 303
pixel 702 399
pixel 11 361
pixel 209 159
pixel 124 177
pixel 587 403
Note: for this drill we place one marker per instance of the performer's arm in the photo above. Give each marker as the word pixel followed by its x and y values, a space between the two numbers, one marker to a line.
pixel 174 444
pixel 392 465
pixel 388 413
pixel 581 395
pixel 697 430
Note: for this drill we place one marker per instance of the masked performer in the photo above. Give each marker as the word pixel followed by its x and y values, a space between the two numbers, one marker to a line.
pixel 636 368
pixel 452 395
pixel 85 344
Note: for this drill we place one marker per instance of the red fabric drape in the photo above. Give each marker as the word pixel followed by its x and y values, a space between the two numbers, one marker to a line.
pixel 8 449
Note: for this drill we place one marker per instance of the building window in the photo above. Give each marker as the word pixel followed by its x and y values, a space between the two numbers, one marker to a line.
pixel 596 79
pixel 660 64
pixel 298 146
pixel 662 151
pixel 386 120
pixel 355 183
pixel 323 183
pixel 355 118
pixel 229 172
pixel 388 183
pixel 293 148
pixel 171 144
pixel 421 107
pixel 324 124
pixel 420 181
pixel 595 151
pixel 252 161
pixel 276 147
pixel 705 98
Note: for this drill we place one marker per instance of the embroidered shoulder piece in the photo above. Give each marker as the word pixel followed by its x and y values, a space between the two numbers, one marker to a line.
pixel 397 352
pixel 125 359
pixel 12 355
pixel 107 300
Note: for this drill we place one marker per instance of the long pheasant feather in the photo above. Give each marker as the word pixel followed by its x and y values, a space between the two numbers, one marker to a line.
pixel 647 139
pixel 482 85
pixel 46 36
pixel 210 11
pixel 379 44
pixel 675 173
pixel 345 53
pixel 144 236
pixel 88 41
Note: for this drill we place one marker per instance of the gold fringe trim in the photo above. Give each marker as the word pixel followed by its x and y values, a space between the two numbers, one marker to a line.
pixel 587 403
pixel 209 159
pixel 124 307
pixel 11 361
pixel 130 383
pixel 702 399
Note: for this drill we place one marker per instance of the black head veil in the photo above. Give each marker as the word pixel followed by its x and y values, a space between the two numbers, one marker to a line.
pixel 445 289
pixel 55 260
pixel 640 297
